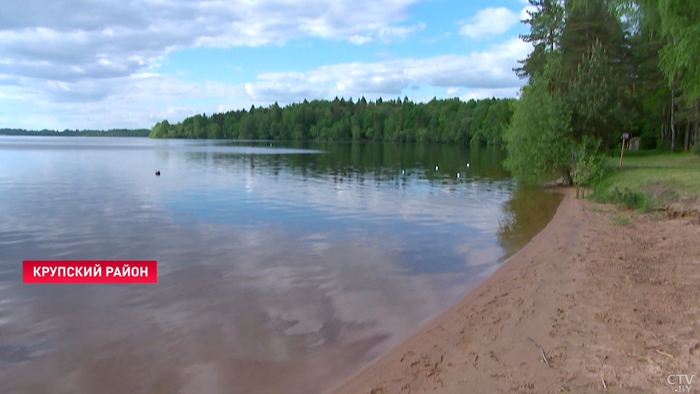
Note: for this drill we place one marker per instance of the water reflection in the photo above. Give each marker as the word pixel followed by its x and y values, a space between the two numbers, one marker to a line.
pixel 526 213
pixel 280 271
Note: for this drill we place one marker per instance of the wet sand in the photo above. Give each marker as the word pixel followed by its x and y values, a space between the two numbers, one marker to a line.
pixel 590 305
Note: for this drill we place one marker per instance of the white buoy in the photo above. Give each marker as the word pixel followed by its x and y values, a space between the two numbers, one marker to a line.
pixel 458 175
pixel 403 172
pixel 436 168
pixel 468 165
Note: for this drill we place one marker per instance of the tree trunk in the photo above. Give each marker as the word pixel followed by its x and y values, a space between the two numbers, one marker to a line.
pixel 673 127
pixel 697 121
pixel 663 124
pixel 687 136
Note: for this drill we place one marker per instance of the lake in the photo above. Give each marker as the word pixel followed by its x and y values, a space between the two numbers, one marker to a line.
pixel 282 267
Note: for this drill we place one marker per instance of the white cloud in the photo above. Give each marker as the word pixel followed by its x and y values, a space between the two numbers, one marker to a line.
pixel 399 33
pixel 359 40
pixel 139 100
pixel 79 39
pixel 81 63
pixel 490 69
pixel 490 21
pixel 144 98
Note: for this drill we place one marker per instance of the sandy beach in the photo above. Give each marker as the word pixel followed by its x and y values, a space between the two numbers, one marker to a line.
pixel 599 301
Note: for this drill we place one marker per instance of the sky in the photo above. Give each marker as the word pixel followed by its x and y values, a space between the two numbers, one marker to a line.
pixel 102 64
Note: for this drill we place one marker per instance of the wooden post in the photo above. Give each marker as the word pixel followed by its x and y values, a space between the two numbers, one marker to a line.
pixel 625 136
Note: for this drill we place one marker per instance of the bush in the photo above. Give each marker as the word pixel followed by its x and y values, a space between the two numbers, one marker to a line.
pixel 589 164
pixel 631 199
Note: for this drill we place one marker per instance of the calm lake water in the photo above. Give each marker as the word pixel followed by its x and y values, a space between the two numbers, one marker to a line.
pixel 283 268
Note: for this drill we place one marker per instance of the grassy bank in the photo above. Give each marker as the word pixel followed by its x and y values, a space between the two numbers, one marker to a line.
pixel 650 180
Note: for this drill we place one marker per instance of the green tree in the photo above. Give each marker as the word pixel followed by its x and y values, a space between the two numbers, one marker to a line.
pixel 595 99
pixel 546 25
pixel 680 25
pixel 539 140
pixel 214 131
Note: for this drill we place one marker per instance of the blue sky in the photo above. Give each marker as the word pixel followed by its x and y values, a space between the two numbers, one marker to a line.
pixel 108 64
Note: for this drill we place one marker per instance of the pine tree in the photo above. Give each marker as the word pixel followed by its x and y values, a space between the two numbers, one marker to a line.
pixel 546 25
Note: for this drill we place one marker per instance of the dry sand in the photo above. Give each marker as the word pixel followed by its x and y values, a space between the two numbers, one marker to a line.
pixel 614 306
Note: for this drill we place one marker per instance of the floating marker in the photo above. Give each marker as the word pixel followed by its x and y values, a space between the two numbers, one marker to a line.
pixel 468 165
pixel 458 175
pixel 157 173
pixel 436 168
pixel 403 172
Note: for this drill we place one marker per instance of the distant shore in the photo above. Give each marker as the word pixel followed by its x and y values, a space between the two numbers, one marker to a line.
pixel 590 304
pixel 76 133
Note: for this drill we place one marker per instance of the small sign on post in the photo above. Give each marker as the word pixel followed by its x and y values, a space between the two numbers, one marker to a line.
pixel 625 138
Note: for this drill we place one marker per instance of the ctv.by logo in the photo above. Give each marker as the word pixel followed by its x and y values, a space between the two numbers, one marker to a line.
pixel 680 382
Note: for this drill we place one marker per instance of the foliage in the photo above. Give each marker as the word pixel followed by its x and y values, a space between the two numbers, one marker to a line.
pixel 612 63
pixel 680 24
pixel 589 164
pixel 539 140
pixel 595 99
pixel 479 122
pixel 546 24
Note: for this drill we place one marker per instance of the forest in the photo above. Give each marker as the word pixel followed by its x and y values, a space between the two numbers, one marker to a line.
pixel 598 69
pixel 79 133
pixel 601 68
pixel 475 122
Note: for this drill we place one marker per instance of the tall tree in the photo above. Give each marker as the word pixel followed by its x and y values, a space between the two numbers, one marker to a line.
pixel 680 24
pixel 546 24
pixel 595 99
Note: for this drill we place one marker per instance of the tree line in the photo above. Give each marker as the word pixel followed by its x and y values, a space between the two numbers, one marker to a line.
pixel 476 122
pixel 601 68
pixel 79 133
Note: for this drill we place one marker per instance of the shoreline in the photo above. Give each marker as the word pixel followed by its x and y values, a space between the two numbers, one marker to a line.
pixel 350 385
pixel 610 306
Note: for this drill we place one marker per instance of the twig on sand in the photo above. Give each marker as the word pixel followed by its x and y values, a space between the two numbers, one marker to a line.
pixel 605 385
pixel 664 353
pixel 544 357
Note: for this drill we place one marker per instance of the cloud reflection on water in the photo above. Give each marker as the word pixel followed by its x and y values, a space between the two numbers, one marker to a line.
pixel 304 266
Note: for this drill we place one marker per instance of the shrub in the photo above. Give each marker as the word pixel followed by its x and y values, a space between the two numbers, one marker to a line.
pixel 631 199
pixel 589 164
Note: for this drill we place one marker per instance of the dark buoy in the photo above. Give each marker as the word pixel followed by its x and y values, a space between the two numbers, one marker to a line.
pixel 157 173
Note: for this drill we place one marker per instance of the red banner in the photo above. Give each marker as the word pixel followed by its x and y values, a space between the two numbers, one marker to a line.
pixel 81 271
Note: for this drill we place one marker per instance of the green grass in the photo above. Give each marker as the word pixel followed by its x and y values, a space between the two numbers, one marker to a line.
pixel 651 180
pixel 620 220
